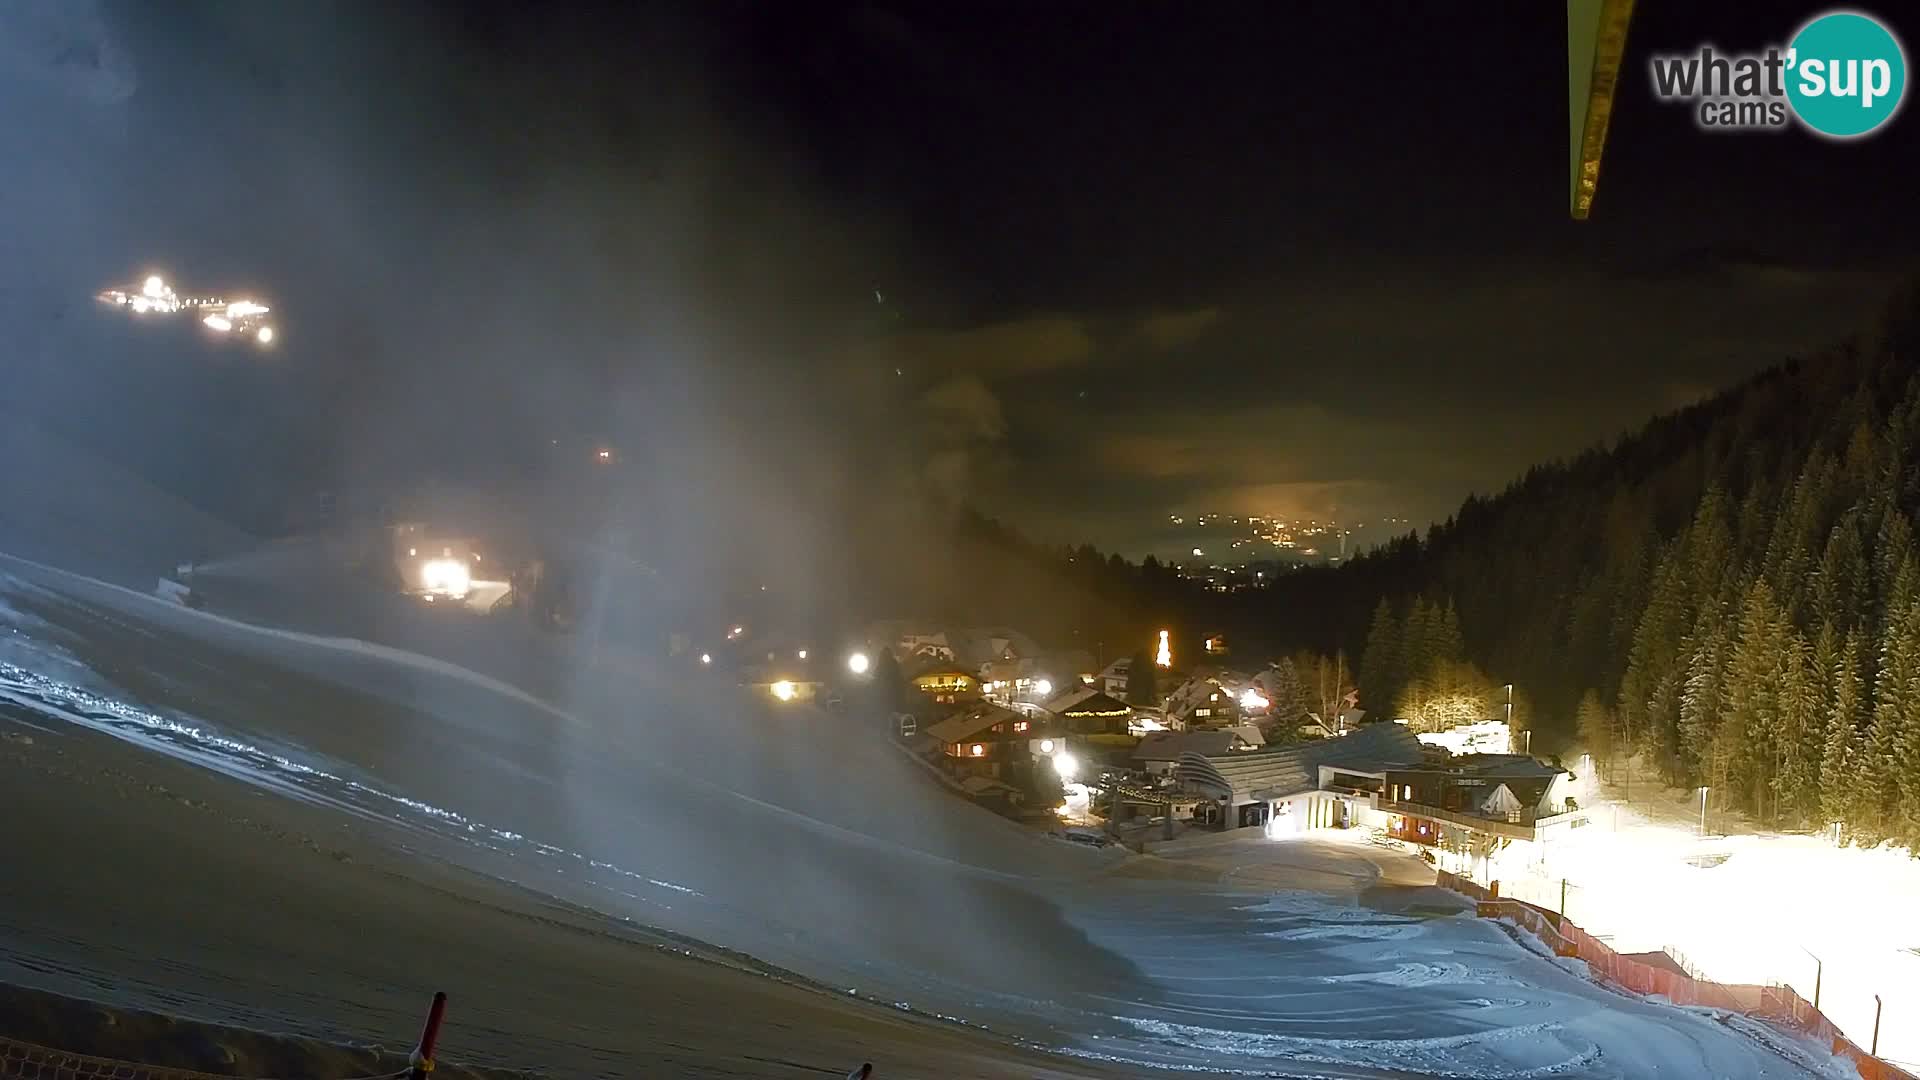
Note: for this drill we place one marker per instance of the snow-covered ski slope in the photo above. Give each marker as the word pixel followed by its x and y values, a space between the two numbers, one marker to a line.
pixel 789 835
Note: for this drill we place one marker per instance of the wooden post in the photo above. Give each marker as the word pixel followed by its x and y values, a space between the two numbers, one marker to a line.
pixel 1875 1051
pixel 422 1058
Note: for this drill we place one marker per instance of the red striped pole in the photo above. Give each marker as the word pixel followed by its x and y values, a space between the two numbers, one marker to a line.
pixel 430 1035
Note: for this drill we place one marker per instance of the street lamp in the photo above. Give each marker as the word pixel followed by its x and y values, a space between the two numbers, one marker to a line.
pixel 1043 687
pixel 858 663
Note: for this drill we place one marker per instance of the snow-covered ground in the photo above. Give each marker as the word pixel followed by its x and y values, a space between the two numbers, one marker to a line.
pixel 779 833
pixel 1750 907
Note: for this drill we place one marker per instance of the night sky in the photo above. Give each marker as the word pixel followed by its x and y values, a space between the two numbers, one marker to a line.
pixel 1081 265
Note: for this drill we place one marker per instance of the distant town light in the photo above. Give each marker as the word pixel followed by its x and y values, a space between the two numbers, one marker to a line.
pixel 1065 764
pixel 154 286
pixel 1197 553
pixel 1043 687
pixel 706 658
pixel 784 690
pixel 265 336
pixel 803 654
pixel 218 322
pixel 858 663
pixel 1253 699
pixel 977 750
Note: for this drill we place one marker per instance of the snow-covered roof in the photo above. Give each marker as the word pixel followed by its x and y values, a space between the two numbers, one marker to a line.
pixel 1279 771
pixel 1170 745
pixel 970 722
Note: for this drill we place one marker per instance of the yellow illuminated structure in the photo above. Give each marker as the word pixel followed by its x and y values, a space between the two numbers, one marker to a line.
pixel 1164 657
pixel 1596 44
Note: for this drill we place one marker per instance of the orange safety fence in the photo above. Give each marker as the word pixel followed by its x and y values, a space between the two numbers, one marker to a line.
pixel 1464 886
pixel 1780 1004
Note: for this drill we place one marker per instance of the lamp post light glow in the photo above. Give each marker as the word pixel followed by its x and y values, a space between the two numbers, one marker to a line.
pixel 858 663
pixel 706 658
pixel 784 690
pixel 1043 687
pixel 1065 764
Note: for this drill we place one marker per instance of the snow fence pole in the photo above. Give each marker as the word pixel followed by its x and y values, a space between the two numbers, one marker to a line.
pixel 422 1058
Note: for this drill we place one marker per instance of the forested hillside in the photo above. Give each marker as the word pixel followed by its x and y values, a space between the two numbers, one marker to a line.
pixel 1732 592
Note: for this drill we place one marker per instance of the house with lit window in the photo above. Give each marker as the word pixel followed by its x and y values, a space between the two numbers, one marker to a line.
pixel 785 681
pixel 1207 699
pixel 1490 796
pixel 1112 679
pixel 944 682
pixel 985 739
pixel 1160 751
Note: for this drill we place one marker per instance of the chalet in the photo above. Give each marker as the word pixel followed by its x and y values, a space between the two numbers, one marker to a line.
pixel 1283 788
pixel 1207 699
pixel 1084 710
pixel 1112 679
pixel 1504 795
pixel 944 682
pixel 987 740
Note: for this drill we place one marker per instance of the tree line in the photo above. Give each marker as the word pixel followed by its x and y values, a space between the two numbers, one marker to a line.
pixel 1731 594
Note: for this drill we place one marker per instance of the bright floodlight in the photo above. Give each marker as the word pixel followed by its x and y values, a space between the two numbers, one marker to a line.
pixel 448 576
pixel 1046 746
pixel 706 658
pixel 1043 687
pixel 265 336
pixel 154 287
pixel 1065 764
pixel 218 322
pixel 240 309
pixel 803 654
pixel 1252 699
pixel 858 663
pixel 784 690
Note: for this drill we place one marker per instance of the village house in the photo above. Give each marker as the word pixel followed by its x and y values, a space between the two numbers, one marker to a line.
pixel 944 682
pixel 985 739
pixel 1207 699
pixel 1084 710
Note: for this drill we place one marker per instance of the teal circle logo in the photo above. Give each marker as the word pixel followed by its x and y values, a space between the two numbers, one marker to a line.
pixel 1846 74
